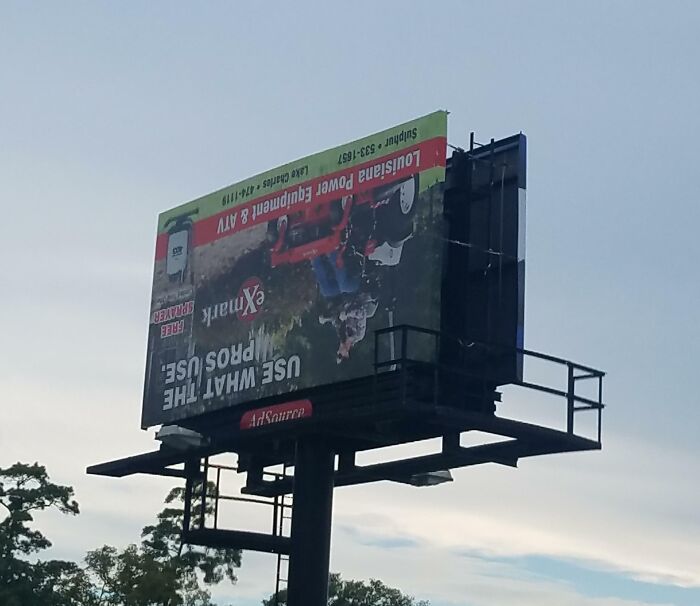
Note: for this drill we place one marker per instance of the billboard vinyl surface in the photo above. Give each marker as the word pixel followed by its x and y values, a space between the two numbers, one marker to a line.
pixel 276 283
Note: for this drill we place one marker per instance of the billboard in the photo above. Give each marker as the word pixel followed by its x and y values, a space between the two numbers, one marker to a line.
pixel 276 283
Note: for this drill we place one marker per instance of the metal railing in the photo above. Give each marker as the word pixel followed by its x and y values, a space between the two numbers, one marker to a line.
pixel 199 509
pixel 477 368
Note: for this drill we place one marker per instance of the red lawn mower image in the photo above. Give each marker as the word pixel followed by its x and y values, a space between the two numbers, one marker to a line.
pixel 375 223
pixel 346 240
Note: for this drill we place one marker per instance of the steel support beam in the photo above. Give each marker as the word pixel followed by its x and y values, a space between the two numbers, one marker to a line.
pixel 311 523
pixel 238 539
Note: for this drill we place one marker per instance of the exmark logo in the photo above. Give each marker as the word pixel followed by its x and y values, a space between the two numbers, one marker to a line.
pixel 245 306
pixel 250 299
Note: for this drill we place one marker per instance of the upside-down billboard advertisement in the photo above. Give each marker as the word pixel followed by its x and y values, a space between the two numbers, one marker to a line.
pixel 277 283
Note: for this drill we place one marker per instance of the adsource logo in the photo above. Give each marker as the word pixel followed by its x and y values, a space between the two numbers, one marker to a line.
pixel 246 306
pixel 288 411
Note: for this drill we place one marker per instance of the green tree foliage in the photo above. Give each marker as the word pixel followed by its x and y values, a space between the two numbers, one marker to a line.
pixel 158 572
pixel 161 571
pixel 356 593
pixel 24 490
pixel 162 540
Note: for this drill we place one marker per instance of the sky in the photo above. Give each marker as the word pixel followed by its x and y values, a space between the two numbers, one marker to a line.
pixel 113 112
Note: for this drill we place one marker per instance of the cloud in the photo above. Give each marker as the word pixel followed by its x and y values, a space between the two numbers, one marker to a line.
pixel 567 507
pixel 449 579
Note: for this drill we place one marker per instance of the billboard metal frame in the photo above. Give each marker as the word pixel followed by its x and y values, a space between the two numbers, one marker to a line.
pixel 404 389
pixel 447 386
pixel 405 392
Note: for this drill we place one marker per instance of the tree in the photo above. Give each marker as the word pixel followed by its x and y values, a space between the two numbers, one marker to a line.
pixel 356 593
pixel 25 489
pixel 163 541
pixel 161 571
pixel 158 572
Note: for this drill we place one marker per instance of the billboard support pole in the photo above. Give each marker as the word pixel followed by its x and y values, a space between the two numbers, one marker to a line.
pixel 311 523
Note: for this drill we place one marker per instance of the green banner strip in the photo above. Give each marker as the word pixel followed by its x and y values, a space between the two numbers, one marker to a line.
pixel 325 162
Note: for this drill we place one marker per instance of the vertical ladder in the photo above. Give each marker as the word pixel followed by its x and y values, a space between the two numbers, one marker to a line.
pixel 282 524
pixel 203 506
